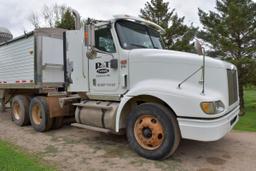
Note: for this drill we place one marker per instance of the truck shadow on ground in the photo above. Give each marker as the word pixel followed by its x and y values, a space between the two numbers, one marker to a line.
pixel 109 146
pixel 81 148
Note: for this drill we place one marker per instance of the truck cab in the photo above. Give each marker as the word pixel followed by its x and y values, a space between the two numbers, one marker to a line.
pixel 130 82
pixel 108 69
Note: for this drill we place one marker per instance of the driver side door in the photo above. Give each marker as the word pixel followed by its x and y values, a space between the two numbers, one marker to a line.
pixel 103 77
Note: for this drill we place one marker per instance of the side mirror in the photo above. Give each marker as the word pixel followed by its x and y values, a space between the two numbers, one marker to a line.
pixel 90 41
pixel 198 47
pixel 201 51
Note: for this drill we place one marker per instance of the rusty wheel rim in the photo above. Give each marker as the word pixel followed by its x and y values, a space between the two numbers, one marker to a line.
pixel 149 132
pixel 16 111
pixel 36 114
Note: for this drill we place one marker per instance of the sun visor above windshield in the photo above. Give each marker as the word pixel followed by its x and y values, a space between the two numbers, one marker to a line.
pixel 141 21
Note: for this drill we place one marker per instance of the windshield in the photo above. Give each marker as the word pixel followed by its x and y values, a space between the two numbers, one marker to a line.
pixel 133 35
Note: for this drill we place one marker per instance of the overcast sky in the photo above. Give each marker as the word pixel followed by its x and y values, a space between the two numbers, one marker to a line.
pixel 14 14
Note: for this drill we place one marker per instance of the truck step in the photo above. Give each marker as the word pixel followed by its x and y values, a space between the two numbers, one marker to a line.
pixel 92 128
pixel 64 100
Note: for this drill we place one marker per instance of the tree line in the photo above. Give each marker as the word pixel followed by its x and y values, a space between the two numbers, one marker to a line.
pixel 229 31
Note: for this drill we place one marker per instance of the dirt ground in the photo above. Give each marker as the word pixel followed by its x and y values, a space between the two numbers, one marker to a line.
pixel 74 149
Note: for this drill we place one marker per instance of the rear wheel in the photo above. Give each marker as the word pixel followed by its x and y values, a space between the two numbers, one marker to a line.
pixel 152 131
pixel 20 110
pixel 39 114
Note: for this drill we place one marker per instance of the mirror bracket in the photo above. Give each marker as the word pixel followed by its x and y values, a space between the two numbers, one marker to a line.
pixel 91 51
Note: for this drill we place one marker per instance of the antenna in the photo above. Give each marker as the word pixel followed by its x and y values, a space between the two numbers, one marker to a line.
pixel 203 72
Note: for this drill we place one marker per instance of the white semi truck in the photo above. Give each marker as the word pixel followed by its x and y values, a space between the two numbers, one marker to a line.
pixel 115 77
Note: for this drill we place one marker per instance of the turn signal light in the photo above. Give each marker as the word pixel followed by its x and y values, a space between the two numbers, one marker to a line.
pixel 214 107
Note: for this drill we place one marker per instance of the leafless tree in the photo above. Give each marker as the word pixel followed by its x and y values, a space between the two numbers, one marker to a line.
pixel 49 15
pixel 34 19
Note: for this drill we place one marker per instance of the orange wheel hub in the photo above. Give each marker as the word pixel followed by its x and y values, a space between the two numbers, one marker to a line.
pixel 149 132
pixel 36 114
pixel 16 111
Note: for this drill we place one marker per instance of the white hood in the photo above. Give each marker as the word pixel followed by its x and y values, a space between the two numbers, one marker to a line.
pixel 176 57
pixel 173 67
pixel 159 72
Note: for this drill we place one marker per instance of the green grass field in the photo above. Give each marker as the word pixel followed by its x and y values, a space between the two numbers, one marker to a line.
pixel 14 159
pixel 248 121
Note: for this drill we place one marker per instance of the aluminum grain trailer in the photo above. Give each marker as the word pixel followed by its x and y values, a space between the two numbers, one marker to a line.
pixel 32 65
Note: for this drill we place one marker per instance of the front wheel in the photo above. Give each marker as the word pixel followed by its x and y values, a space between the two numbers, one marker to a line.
pixel 152 131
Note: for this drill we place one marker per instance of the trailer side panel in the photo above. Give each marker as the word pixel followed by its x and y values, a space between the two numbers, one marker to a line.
pixel 17 61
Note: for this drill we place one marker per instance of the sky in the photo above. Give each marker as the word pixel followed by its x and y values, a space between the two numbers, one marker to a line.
pixel 14 14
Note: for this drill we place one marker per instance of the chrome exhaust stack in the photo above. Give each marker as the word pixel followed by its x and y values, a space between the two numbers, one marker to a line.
pixel 77 19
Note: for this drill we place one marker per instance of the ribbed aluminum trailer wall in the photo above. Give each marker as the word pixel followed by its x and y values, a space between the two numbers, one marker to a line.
pixel 34 60
pixel 17 61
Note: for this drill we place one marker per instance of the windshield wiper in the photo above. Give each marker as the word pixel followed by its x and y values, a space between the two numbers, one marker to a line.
pixel 137 45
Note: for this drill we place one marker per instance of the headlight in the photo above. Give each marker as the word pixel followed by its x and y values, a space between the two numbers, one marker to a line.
pixel 214 107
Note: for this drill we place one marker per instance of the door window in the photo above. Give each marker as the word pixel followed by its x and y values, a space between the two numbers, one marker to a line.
pixel 104 40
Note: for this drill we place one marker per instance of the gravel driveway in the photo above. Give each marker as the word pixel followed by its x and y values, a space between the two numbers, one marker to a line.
pixel 74 149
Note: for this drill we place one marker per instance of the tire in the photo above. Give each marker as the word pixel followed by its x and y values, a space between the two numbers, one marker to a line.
pixel 39 114
pixel 153 131
pixel 20 110
pixel 57 123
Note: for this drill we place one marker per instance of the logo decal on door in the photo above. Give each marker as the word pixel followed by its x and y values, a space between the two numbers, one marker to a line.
pixel 102 67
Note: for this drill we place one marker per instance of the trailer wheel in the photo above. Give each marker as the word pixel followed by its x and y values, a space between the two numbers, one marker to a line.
pixel 57 123
pixel 20 110
pixel 39 114
pixel 152 131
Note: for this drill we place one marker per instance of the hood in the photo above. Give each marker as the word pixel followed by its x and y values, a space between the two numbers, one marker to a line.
pixel 176 57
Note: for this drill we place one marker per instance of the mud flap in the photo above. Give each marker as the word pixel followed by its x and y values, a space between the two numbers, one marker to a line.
pixel 2 100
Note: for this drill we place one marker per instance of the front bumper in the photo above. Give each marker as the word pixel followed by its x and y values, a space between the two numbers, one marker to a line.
pixel 208 130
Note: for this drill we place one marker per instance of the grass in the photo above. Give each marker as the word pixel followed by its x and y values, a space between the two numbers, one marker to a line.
pixel 248 121
pixel 14 159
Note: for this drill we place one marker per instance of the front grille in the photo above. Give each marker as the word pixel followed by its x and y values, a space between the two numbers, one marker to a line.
pixel 232 86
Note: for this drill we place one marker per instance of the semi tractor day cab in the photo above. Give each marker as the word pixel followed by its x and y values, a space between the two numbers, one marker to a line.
pixel 115 77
